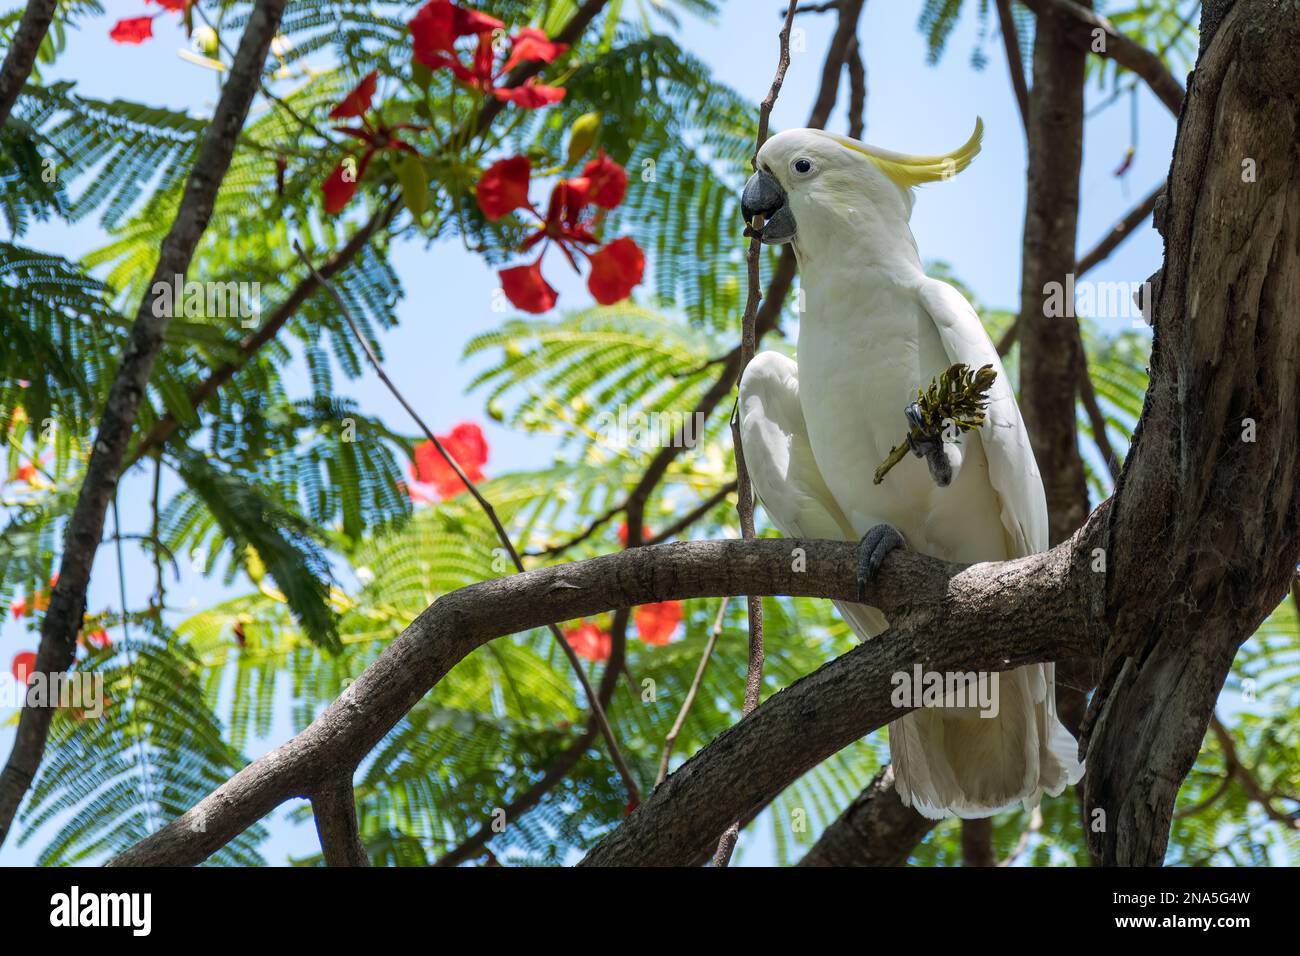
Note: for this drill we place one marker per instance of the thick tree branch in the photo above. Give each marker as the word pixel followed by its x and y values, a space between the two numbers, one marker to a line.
pixel 875 830
pixel 986 616
pixel 21 56
pixel 1203 537
pixel 980 623
pixel 86 527
pixel 1091 32
pixel 335 810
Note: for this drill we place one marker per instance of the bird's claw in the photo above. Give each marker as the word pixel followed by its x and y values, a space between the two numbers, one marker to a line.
pixel 872 551
pixel 930 447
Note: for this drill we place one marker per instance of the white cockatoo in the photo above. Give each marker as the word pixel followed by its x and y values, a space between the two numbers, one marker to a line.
pixel 874 328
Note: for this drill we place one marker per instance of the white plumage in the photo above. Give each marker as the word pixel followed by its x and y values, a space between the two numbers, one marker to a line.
pixel 874 329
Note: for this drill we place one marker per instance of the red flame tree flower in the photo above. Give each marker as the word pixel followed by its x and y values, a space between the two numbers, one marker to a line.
pixel 572 214
pixel 467 445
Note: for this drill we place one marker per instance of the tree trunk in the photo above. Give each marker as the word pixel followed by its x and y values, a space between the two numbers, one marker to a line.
pixel 1049 357
pixel 1202 540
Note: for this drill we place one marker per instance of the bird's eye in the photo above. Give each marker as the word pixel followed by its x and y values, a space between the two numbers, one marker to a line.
pixel 802 166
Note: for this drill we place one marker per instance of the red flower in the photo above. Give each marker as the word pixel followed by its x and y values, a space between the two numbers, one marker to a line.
pixel 531 96
pixel 525 287
pixel 615 271
pixel 466 444
pixel 589 641
pixel 357 103
pixel 18 606
pixel 608 181
pixel 23 665
pixel 622 533
pixel 342 183
pixel 134 30
pixel 532 44
pixel 655 623
pixel 440 23
pixel 173 5
pixel 97 639
pixel 504 187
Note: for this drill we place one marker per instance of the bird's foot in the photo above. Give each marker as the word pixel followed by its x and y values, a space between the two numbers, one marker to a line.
pixel 872 550
pixel 929 447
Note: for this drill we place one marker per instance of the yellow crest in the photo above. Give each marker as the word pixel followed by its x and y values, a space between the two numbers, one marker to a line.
pixel 908 171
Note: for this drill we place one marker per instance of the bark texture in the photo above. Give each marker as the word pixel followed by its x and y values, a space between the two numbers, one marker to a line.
pixel 63 619
pixel 874 830
pixel 21 56
pixel 986 616
pixel 1205 530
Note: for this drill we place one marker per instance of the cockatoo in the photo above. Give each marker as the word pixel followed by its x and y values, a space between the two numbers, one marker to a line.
pixel 874 329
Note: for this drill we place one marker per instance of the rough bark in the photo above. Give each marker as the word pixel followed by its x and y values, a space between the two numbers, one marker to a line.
pixel 1199 542
pixel 1049 356
pixel 874 830
pixel 21 56
pixel 63 619
pixel 987 616
pixel 335 811
pixel 1203 537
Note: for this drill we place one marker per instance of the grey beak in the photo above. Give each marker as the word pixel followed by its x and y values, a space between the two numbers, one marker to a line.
pixel 763 196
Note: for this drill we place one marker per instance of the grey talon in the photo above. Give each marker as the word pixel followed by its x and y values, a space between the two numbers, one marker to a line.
pixel 872 551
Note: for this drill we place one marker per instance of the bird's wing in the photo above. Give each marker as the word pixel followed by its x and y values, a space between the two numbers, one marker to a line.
pixel 781 465
pixel 1012 469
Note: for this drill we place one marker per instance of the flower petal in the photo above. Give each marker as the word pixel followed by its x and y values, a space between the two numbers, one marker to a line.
pixel 532 95
pixel 342 184
pixel 655 623
pixel 589 641
pixel 608 181
pixel 615 271
pixel 531 43
pixel 133 30
pixel 503 188
pixel 23 665
pixel 525 287
pixel 357 103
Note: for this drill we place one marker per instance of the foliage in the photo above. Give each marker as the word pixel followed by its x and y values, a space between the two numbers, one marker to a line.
pixel 297 502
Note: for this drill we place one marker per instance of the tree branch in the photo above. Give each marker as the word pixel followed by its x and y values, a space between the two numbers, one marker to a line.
pixel 748 345
pixel 874 830
pixel 1015 64
pixel 992 616
pixel 21 58
pixel 86 527
pixel 1208 505
pixel 335 810
pixel 1081 26
pixel 166 426
pixel 597 709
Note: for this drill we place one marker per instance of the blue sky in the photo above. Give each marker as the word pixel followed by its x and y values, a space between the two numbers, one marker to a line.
pixel 973 222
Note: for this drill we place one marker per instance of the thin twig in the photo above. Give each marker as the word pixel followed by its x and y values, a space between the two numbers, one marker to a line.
pixel 676 729
pixel 628 782
pixel 1015 63
pixel 748 345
